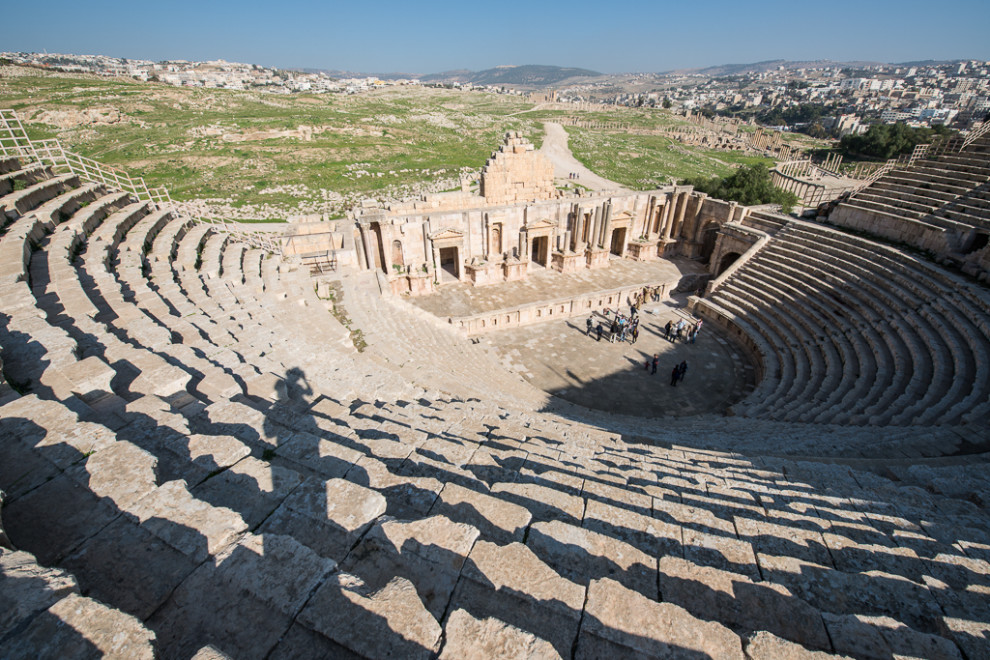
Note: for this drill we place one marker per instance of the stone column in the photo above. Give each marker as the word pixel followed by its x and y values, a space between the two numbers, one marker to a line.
pixel 427 248
pixel 668 215
pixel 486 238
pixel 578 231
pixel 648 222
pixel 598 240
pixel 681 210
pixel 607 220
pixel 361 252
pixel 386 247
pixel 700 197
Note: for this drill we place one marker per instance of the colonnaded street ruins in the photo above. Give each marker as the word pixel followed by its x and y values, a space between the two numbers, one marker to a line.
pixel 509 420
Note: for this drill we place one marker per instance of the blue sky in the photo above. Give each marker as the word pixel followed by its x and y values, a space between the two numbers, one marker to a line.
pixel 426 37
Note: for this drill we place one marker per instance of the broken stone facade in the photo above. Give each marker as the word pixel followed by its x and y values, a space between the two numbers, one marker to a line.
pixel 520 222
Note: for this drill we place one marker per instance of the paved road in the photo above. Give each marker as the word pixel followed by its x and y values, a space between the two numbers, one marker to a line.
pixel 555 148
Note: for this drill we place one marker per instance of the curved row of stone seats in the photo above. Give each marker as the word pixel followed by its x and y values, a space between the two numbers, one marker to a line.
pixel 961 320
pixel 495 521
pixel 258 298
pixel 900 338
pixel 960 311
pixel 12 175
pixel 254 321
pixel 60 293
pixel 9 164
pixel 230 325
pixel 19 202
pixel 928 366
pixel 171 307
pixel 862 361
pixel 39 355
pixel 114 262
pixel 808 354
pixel 923 374
pixel 948 190
pixel 438 525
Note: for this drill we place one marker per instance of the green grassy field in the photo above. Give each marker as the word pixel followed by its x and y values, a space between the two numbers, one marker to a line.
pixel 258 155
pixel 642 162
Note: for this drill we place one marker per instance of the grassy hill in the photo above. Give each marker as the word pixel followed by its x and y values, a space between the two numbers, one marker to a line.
pixel 255 155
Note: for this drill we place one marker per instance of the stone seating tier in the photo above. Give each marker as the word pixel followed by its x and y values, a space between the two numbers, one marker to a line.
pixel 525 526
pixel 931 357
pixel 344 504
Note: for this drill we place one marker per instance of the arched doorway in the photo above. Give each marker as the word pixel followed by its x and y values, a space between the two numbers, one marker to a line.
pixel 709 235
pixel 728 259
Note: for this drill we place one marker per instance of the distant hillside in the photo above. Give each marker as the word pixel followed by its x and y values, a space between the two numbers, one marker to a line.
pixel 535 75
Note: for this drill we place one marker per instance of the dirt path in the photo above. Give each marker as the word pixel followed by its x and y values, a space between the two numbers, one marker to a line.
pixel 555 148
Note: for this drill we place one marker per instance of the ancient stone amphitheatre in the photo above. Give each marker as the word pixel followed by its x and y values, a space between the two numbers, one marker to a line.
pixel 201 459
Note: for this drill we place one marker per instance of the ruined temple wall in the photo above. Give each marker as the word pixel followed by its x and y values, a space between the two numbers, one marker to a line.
pixel 517 173
pixel 479 230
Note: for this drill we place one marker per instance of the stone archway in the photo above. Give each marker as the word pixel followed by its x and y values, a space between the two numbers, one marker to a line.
pixel 709 236
pixel 727 260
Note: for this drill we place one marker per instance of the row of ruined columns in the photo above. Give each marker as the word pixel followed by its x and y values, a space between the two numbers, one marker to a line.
pixel 795 168
pixel 590 232
pixel 805 191
pixel 765 140
pixel 664 219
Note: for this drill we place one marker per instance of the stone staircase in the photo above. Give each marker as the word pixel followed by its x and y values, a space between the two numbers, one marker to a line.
pixel 200 464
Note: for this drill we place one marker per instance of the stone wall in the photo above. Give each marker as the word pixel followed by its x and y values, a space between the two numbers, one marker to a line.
pixel 517 173
pixel 555 310
pixel 317 237
pixel 902 230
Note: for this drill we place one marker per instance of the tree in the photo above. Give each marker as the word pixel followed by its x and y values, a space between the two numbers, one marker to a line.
pixel 748 185
pixel 816 130
pixel 884 141
pixel 667 103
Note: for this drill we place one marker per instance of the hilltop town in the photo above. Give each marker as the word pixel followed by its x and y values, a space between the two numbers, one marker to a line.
pixel 853 95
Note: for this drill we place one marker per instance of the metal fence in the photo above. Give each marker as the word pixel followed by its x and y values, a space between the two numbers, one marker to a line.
pixel 14 141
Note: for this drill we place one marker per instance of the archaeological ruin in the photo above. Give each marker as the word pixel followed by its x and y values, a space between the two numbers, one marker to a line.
pixel 223 443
